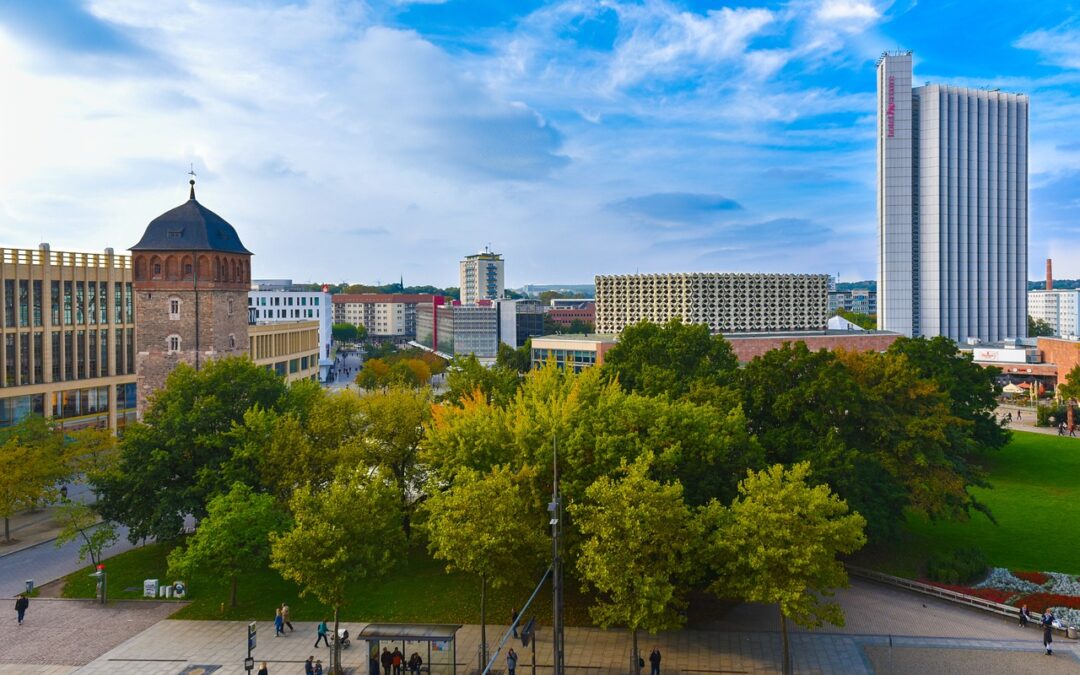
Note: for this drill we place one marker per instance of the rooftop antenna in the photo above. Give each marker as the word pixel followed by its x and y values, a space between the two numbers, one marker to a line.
pixel 191 173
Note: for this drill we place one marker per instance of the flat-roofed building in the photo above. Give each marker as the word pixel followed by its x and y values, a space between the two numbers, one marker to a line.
pixel 726 303
pixel 278 306
pixel 289 349
pixel 384 315
pixel 68 330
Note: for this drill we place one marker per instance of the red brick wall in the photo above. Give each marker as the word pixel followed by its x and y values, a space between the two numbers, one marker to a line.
pixel 1064 353
pixel 747 348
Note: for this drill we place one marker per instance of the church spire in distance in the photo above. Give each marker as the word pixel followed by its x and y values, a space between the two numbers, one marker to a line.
pixel 192 182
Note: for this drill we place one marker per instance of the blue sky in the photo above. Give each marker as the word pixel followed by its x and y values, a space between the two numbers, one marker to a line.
pixel 366 140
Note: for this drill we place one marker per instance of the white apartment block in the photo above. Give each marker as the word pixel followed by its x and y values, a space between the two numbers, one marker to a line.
pixel 726 303
pixel 384 315
pixel 952 207
pixel 482 277
pixel 291 306
pixel 1059 308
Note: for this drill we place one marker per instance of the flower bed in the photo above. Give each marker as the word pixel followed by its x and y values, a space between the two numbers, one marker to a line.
pixel 1039 578
pixel 991 594
pixel 1040 602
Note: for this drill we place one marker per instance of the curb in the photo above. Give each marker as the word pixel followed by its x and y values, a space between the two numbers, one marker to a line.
pixel 28 547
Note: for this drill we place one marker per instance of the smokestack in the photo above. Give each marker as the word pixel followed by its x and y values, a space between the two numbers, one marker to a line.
pixel 1049 276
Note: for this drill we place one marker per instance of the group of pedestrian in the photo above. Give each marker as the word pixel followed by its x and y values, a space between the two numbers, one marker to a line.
pixel 1047 626
pixel 394 661
pixel 282 618
pixel 1070 428
pixel 313 666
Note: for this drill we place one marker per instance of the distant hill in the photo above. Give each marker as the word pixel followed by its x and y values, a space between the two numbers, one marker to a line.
pixel 857 285
pixel 1058 284
pixel 581 290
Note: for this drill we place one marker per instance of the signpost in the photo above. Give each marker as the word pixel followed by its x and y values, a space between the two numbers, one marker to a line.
pixel 101 578
pixel 249 662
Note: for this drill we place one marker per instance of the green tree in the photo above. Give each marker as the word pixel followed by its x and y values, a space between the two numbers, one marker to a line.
pixel 32 463
pixel 233 538
pixel 778 543
pixel 488 524
pixel 181 455
pixel 636 553
pixel 80 521
pixel 374 374
pixel 519 360
pixel 1038 327
pixel 347 530
pixel 346 332
pixel 673 359
pixel 391 428
pixel 1069 386
pixel 972 389
pixel 467 375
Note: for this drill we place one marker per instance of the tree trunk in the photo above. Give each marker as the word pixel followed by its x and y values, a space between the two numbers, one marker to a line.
pixel 232 591
pixel 483 623
pixel 784 638
pixel 338 670
pixel 7 528
pixel 635 667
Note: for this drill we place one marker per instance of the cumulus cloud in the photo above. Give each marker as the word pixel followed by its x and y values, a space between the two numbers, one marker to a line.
pixel 673 208
pixel 1059 45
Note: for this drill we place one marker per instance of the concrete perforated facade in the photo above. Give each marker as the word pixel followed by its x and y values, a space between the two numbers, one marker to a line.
pixel 726 303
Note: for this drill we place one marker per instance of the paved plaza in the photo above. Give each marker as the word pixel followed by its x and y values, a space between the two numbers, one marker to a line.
pixel 888 631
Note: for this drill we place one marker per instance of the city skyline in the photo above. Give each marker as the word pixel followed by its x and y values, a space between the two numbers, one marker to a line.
pixel 366 142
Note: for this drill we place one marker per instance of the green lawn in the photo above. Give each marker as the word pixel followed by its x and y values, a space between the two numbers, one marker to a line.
pixel 417 590
pixel 1036 500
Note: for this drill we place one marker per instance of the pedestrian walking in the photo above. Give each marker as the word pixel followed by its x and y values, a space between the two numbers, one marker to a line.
pixel 318 667
pixel 397 658
pixel 387 661
pixel 1025 616
pixel 1019 416
pixel 20 607
pixel 1072 430
pixel 513 619
pixel 511 661
pixel 309 665
pixel 263 670
pixel 286 616
pixel 414 663
pixel 279 623
pixel 654 661
pixel 321 632
pixel 1048 632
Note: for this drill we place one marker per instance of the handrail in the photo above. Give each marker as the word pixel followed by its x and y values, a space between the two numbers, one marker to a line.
pixel 946 594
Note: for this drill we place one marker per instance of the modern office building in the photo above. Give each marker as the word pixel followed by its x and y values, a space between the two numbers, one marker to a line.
pixel 726 303
pixel 68 337
pixel 519 320
pixel 482 277
pixel 384 315
pixel 574 351
pixel 859 300
pixel 455 329
pixel 952 207
pixel 289 348
pixel 275 306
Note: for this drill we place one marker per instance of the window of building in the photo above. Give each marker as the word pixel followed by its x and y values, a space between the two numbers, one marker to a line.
pixel 103 303
pixel 93 354
pixel 174 308
pixel 24 302
pixel 91 302
pixel 80 302
pixel 230 306
pixel 37 304
pixel 118 303
pixel 232 341
pixel 157 271
pixel 57 364
pixel 174 343
pixel 9 303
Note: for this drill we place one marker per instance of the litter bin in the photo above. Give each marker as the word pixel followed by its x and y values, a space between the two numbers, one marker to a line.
pixel 29 585
pixel 1073 632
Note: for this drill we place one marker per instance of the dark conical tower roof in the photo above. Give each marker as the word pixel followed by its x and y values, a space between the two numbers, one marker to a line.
pixel 190 227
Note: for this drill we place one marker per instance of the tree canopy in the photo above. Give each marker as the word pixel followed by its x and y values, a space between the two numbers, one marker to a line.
pixel 180 456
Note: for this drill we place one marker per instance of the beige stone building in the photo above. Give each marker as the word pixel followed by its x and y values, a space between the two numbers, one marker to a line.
pixel 68 337
pixel 726 303
pixel 289 349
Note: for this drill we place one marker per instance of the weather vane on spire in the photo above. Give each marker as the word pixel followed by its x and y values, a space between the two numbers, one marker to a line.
pixel 192 181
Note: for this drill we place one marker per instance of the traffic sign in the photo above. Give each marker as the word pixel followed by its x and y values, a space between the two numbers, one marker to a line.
pixel 528 631
pixel 249 664
pixel 251 636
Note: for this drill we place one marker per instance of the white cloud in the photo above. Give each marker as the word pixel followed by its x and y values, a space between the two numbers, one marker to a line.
pixel 1059 46
pixel 848 10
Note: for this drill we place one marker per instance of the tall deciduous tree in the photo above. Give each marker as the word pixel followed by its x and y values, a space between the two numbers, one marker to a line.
pixel 79 521
pixel 392 424
pixel 466 375
pixel 178 458
pixel 347 530
pixel 232 539
pixel 778 543
pixel 32 463
pixel 638 536
pixel 673 359
pixel 491 525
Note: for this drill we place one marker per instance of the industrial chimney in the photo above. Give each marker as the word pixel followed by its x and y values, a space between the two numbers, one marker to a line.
pixel 1049 276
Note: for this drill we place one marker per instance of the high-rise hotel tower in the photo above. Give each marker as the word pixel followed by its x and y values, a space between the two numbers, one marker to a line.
pixel 952 207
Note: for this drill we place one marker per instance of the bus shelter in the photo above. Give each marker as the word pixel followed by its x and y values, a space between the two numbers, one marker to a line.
pixel 435 643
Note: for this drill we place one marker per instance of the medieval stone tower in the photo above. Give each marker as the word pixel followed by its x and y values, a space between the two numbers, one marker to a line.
pixel 191 280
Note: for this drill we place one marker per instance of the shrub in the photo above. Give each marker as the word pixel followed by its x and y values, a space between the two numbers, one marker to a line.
pixel 1045 412
pixel 1038 602
pixel 961 566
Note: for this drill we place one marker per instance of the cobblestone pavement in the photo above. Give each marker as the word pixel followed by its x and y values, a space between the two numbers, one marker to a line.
pixel 72 632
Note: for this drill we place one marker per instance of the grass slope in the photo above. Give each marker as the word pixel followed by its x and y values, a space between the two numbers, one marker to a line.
pixel 418 590
pixel 1036 501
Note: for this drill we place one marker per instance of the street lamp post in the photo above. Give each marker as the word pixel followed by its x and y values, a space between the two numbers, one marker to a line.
pixel 555 507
